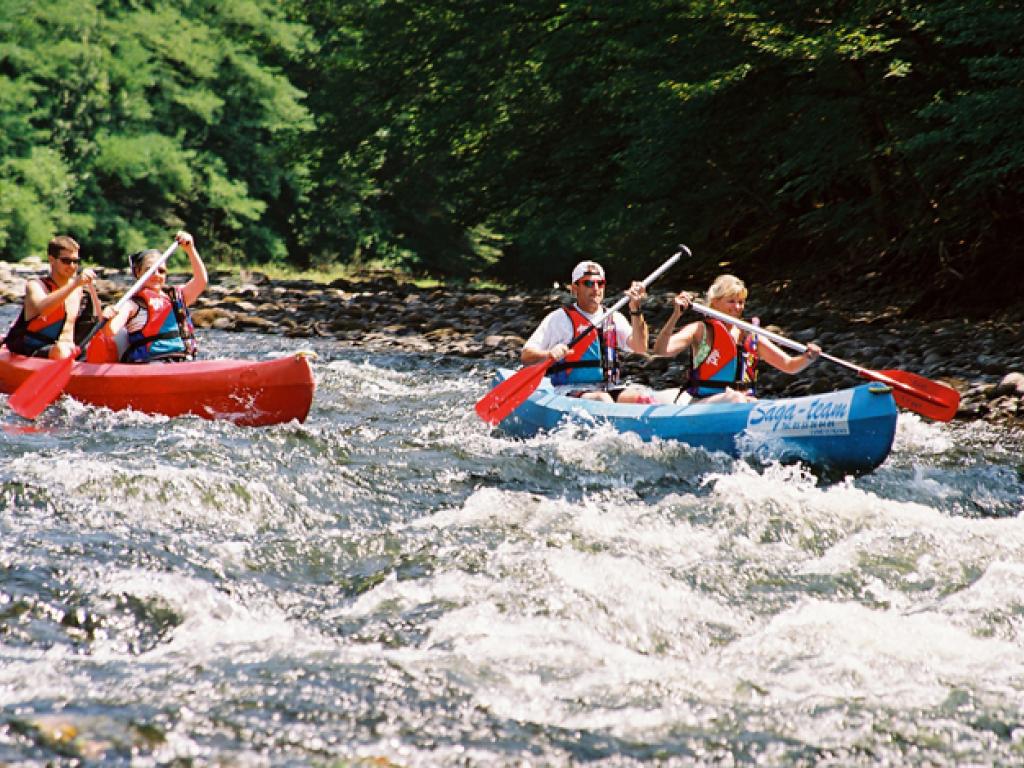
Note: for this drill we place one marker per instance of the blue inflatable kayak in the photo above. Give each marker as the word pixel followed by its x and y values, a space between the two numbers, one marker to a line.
pixel 850 430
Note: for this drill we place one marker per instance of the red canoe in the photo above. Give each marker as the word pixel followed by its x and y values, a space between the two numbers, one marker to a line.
pixel 245 392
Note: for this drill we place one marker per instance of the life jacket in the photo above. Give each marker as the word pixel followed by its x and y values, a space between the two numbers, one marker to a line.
pixel 728 364
pixel 103 347
pixel 597 361
pixel 168 333
pixel 26 337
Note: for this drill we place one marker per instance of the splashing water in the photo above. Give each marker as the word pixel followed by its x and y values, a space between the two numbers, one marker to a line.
pixel 393 581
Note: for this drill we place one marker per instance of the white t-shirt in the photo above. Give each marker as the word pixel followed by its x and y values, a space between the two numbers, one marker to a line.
pixel 557 328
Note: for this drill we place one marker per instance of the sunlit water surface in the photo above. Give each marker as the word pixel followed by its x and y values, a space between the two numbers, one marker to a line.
pixel 392 582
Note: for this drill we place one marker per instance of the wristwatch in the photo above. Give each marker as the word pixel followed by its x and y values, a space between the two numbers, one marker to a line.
pixel 636 313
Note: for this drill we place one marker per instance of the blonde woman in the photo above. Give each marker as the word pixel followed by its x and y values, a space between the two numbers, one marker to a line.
pixel 723 357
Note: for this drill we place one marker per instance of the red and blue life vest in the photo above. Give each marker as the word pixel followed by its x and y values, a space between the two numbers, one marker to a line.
pixel 728 364
pixel 168 333
pixel 595 362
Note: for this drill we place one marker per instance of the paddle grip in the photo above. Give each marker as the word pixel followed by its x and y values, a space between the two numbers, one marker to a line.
pixel 758 330
pixel 145 276
pixel 646 283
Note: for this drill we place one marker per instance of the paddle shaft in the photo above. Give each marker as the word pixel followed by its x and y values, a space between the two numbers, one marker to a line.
pixel 646 283
pixel 751 328
pixel 123 301
pixel 801 348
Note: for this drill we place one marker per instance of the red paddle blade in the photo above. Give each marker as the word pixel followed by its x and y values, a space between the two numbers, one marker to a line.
pixel 510 394
pixel 41 388
pixel 916 393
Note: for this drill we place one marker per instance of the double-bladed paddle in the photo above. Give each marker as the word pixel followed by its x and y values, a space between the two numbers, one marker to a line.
pixel 510 394
pixel 45 385
pixel 916 393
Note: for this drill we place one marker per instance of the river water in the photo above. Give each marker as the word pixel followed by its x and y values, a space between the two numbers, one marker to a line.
pixel 394 583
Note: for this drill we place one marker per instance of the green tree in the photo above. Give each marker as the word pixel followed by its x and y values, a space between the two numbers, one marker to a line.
pixel 511 138
pixel 760 133
pixel 162 115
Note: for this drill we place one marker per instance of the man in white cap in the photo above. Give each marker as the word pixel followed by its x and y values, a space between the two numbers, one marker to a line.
pixel 592 367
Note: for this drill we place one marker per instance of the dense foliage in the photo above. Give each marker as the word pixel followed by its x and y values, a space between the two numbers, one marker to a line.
pixel 514 136
pixel 125 120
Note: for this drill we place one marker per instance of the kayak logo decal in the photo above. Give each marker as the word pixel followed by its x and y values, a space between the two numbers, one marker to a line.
pixel 827 414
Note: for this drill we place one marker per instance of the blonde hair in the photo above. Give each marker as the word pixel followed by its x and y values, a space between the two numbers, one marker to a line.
pixel 727 286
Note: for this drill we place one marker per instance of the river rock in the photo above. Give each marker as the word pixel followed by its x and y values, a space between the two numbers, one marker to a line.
pixel 254 322
pixel 1010 384
pixel 207 317
pixel 989 363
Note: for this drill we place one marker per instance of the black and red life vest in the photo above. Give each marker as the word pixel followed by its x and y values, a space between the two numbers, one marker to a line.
pixel 26 337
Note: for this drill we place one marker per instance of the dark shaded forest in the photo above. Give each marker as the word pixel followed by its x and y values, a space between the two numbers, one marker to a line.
pixel 873 144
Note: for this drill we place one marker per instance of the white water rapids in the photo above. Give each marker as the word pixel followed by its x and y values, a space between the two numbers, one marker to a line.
pixel 394 582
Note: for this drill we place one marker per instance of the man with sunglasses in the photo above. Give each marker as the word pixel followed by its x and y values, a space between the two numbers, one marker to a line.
pixel 591 369
pixel 53 304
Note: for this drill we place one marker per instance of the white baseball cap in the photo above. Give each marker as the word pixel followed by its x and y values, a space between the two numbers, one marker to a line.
pixel 587 268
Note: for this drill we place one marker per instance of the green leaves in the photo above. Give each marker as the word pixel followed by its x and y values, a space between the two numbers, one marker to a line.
pixel 35 194
pixel 160 116
pixel 147 159
pixel 515 136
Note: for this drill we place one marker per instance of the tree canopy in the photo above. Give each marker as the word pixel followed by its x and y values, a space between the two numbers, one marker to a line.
pixel 125 120
pixel 511 138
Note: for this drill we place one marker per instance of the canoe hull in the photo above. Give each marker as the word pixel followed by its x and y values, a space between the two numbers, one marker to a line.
pixel 850 430
pixel 247 393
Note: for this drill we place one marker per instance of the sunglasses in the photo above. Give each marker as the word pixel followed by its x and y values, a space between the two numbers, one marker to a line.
pixel 599 283
pixel 67 260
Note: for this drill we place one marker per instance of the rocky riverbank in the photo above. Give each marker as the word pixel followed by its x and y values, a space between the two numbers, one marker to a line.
pixel 983 360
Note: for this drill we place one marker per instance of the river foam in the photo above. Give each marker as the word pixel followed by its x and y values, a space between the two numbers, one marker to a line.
pixel 395 581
